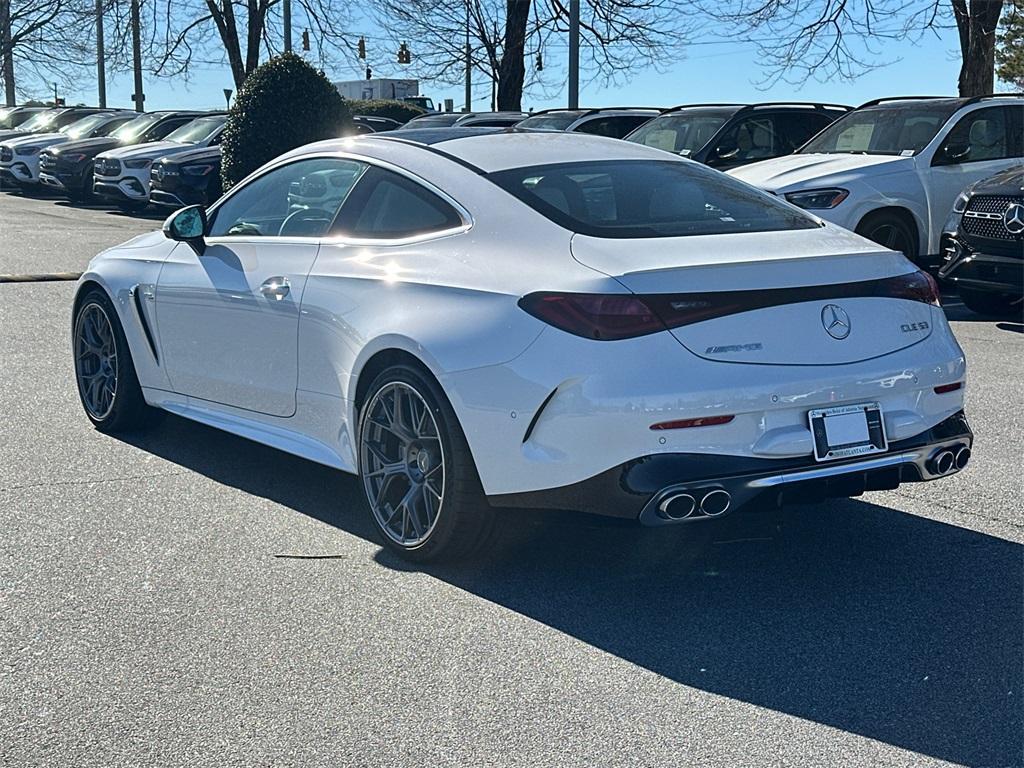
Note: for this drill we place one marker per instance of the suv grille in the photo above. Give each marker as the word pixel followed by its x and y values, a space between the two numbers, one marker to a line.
pixel 47 162
pixel 6 154
pixel 107 167
pixel 984 217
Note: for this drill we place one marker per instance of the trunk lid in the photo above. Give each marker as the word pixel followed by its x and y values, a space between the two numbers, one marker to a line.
pixel 798 297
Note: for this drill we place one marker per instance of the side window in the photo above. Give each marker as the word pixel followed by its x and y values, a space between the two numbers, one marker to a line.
pixel 614 126
pixel 300 199
pixel 794 129
pixel 981 135
pixel 387 206
pixel 752 138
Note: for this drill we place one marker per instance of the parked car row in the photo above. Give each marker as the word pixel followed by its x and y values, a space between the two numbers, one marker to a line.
pixel 168 158
pixel 889 170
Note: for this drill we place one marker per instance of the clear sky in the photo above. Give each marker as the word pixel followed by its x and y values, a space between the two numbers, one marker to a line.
pixel 719 71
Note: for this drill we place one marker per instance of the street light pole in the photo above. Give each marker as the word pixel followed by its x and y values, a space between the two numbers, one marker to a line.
pixel 469 67
pixel 287 26
pixel 574 54
pixel 101 67
pixel 138 96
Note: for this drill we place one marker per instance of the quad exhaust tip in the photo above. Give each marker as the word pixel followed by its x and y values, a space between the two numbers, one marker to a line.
pixel 948 460
pixel 716 503
pixel 682 506
pixel 678 506
pixel 962 457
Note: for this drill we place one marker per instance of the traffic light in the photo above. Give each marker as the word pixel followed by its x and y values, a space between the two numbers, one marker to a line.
pixel 305 39
pixel 540 62
pixel 404 54
pixel 369 73
pixel 59 102
pixel 362 48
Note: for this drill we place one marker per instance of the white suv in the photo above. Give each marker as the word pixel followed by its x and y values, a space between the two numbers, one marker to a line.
pixel 122 175
pixel 892 169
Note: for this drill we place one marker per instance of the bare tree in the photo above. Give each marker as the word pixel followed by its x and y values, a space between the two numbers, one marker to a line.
pixel 41 41
pixel 827 39
pixel 507 37
pixel 242 32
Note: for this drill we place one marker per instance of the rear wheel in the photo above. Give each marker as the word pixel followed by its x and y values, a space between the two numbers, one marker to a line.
pixel 417 471
pixel 104 371
pixel 892 231
pixel 991 303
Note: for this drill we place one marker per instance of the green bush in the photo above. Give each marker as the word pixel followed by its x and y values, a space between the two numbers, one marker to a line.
pixel 401 111
pixel 282 105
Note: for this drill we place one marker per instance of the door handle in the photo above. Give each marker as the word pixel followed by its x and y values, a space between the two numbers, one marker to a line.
pixel 275 288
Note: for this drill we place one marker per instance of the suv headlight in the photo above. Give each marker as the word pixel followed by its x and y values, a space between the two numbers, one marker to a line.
pixel 196 170
pixel 961 203
pixel 818 199
pixel 137 163
pixel 27 151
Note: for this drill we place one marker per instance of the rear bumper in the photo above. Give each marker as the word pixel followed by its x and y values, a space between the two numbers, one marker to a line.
pixel 659 489
pixel 981 271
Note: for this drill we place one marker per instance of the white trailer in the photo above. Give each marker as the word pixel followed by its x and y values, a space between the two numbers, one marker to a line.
pixel 378 88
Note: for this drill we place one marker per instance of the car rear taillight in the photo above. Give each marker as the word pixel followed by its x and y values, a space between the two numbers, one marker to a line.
pixel 605 317
pixel 917 286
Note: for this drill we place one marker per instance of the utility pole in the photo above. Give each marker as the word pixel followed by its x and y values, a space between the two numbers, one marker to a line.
pixel 287 26
pixel 469 67
pixel 574 54
pixel 101 67
pixel 6 54
pixel 138 96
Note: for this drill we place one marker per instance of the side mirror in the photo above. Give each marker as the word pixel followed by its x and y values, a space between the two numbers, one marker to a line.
pixel 187 225
pixel 955 152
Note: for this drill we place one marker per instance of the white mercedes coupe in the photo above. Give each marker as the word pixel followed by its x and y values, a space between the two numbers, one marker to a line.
pixel 472 319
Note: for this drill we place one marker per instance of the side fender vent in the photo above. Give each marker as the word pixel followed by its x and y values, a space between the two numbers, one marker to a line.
pixel 145 324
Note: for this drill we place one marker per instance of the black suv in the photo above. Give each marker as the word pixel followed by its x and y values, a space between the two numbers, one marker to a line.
pixel 187 178
pixel 613 122
pixel 726 136
pixel 68 168
pixel 983 244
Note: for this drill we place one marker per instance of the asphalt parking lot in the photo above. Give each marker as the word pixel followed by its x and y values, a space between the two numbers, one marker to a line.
pixel 185 597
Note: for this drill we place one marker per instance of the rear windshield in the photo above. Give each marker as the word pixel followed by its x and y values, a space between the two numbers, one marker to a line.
pixel 647 198
pixel 683 132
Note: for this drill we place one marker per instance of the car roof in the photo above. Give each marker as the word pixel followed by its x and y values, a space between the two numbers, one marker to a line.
pixel 496 149
pixel 940 101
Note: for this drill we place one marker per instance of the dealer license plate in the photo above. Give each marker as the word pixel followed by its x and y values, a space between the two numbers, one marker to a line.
pixel 847 430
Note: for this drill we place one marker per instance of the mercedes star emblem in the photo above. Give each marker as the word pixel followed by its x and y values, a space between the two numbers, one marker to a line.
pixel 835 321
pixel 1013 219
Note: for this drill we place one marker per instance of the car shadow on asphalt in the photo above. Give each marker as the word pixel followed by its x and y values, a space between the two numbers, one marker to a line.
pixel 857 616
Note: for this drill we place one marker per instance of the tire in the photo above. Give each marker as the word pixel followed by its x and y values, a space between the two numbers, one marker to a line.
pixel 428 468
pixel 991 303
pixel 107 384
pixel 84 193
pixel 890 230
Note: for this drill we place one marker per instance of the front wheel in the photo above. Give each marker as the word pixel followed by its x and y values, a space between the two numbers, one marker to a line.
pixel 418 474
pixel 104 371
pixel 991 303
pixel 890 230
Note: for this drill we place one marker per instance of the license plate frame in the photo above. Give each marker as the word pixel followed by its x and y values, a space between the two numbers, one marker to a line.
pixel 838 433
